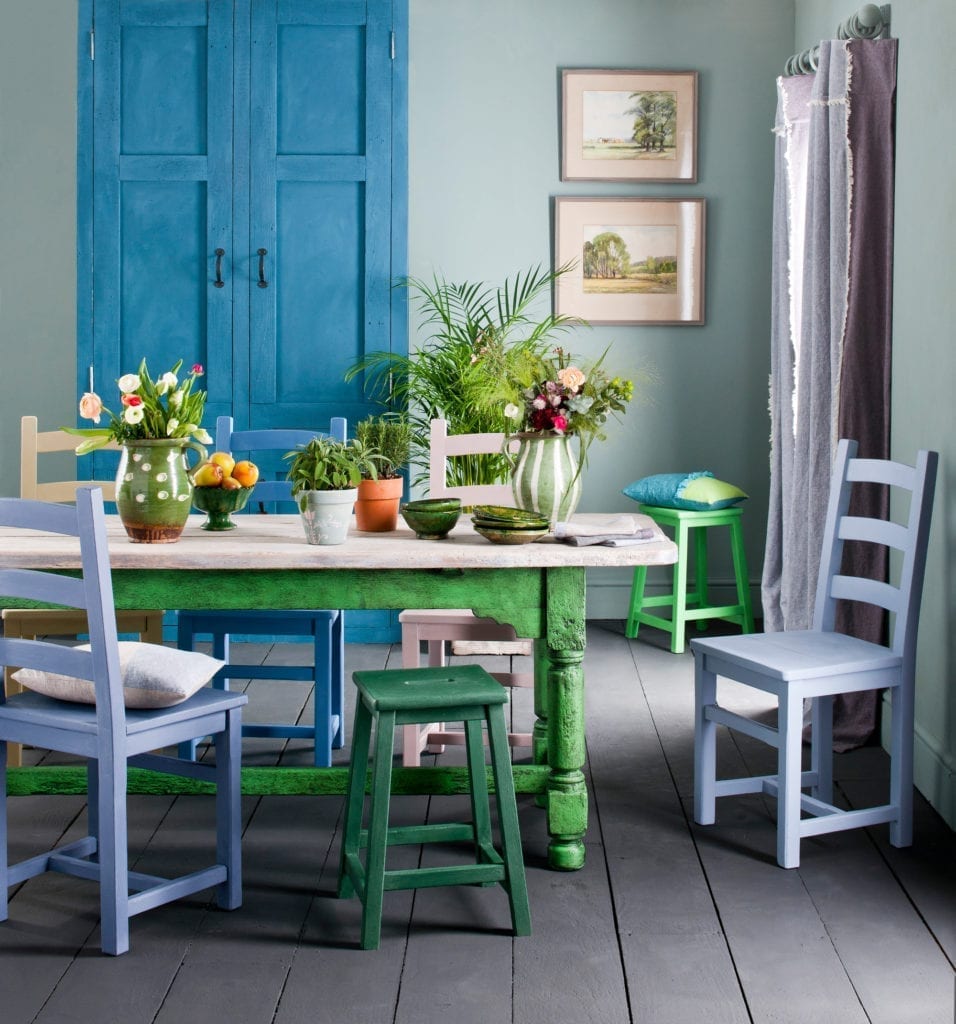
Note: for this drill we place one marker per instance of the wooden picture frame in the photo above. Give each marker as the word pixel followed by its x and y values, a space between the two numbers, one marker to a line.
pixel 634 261
pixel 628 125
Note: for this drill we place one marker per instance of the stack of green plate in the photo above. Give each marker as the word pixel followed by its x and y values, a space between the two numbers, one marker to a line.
pixel 502 524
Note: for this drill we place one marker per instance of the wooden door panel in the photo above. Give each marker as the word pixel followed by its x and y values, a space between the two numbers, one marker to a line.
pixel 320 205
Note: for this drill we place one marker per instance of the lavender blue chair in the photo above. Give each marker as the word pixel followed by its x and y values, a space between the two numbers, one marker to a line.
pixel 818 663
pixel 107 734
pixel 325 628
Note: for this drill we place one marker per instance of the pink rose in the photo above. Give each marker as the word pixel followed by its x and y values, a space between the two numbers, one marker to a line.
pixel 131 401
pixel 559 423
pixel 91 406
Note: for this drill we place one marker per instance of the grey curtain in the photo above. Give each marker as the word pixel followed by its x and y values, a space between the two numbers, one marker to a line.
pixel 831 326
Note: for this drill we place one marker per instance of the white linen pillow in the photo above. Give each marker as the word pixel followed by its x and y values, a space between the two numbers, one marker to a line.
pixel 153 676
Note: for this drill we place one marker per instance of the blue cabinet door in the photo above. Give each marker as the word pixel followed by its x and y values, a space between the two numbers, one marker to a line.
pixel 241 201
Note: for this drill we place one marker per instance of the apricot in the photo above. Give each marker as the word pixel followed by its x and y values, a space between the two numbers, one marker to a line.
pixel 247 473
pixel 231 484
pixel 208 474
pixel 224 460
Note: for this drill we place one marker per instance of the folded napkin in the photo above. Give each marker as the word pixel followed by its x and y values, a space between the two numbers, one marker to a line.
pixel 611 531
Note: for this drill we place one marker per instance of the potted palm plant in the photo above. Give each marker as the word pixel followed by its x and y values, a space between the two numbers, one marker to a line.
pixel 473 334
pixel 325 475
pixel 376 507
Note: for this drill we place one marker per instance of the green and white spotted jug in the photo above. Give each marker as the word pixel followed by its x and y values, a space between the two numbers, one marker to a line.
pixel 154 491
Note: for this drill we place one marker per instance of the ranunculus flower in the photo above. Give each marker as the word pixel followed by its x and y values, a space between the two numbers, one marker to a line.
pixel 129 382
pixel 91 406
pixel 197 369
pixel 166 383
pixel 133 414
pixel 131 400
pixel 512 411
pixel 571 377
pixel 540 402
pixel 559 423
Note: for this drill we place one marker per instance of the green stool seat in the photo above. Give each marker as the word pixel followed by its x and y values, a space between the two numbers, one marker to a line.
pixel 398 697
pixel 691 606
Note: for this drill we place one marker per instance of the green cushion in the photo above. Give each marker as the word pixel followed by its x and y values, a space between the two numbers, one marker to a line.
pixel 698 492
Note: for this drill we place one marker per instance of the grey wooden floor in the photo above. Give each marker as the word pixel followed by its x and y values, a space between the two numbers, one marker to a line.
pixel 666 923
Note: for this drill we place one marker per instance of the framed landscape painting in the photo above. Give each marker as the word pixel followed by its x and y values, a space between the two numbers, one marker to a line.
pixel 629 125
pixel 634 261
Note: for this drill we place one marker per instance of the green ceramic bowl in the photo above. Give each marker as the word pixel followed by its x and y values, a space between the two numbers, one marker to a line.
pixel 430 523
pixel 503 535
pixel 218 503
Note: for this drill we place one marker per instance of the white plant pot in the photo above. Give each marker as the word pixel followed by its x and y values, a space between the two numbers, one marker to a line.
pixel 326 515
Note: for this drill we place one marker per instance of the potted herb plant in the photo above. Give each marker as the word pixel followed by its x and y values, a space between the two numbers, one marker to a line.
pixel 390 435
pixel 325 475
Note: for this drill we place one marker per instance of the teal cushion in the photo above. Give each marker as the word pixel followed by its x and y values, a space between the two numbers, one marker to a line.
pixel 697 492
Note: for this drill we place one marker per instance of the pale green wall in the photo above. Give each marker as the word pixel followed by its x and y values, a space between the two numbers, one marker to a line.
pixel 484 141
pixel 924 329
pixel 37 221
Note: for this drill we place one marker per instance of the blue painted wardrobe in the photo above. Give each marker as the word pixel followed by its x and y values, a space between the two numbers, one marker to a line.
pixel 242 200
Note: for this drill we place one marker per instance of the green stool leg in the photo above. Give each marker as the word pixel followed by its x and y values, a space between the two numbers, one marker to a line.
pixel 355 797
pixel 515 881
pixel 378 830
pixel 478 784
pixel 637 601
pixel 679 618
pixel 700 572
pixel 740 571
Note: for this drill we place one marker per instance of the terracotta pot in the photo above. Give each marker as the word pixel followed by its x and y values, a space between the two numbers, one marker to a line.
pixel 376 509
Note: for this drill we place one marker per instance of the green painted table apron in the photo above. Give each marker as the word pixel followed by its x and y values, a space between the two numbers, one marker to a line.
pixel 266 563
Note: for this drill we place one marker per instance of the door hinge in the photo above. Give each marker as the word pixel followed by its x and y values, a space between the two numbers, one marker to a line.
pixel 393 45
pixel 92 45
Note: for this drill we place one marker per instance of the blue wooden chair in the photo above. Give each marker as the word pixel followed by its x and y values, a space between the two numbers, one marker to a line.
pixel 326 628
pixel 107 734
pixel 818 663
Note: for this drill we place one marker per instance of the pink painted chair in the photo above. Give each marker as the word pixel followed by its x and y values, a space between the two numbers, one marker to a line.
pixel 461 628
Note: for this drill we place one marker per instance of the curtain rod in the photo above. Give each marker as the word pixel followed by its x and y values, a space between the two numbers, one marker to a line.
pixel 869 22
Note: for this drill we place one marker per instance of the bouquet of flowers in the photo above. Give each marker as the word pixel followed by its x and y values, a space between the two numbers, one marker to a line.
pixel 159 409
pixel 554 392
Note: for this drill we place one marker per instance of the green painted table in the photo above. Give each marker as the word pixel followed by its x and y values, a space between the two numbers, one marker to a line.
pixel 266 563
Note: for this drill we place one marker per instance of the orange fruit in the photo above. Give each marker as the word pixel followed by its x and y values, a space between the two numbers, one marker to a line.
pixel 247 473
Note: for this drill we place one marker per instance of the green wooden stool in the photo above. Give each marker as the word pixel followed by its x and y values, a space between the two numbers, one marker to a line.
pixel 691 606
pixel 397 697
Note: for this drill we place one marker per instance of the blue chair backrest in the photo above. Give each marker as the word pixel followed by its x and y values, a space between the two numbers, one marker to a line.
pixel 92 592
pixel 909 538
pixel 272 487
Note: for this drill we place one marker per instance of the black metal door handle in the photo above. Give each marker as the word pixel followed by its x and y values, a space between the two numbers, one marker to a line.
pixel 263 283
pixel 219 283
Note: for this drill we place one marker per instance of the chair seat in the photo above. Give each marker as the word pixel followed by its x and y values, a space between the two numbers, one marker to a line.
pixel 31 708
pixel 432 688
pixel 795 655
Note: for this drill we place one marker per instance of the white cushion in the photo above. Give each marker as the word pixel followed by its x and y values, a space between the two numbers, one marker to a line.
pixel 153 676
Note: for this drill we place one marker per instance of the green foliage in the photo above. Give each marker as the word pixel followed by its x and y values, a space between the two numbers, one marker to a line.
pixel 474 332
pixel 324 464
pixel 390 435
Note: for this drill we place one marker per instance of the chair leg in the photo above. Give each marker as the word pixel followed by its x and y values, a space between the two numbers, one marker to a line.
pixel 338 678
pixel 229 810
pixel 378 831
pixel 508 815
pixel 322 702
pixel 789 770
pixel 111 847
pixel 411 734
pixel 705 745
pixel 901 763
pixel 821 748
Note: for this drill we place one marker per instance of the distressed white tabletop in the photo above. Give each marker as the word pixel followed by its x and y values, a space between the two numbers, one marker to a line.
pixel 278 542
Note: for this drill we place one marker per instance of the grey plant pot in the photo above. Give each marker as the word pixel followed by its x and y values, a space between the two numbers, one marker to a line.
pixel 326 515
